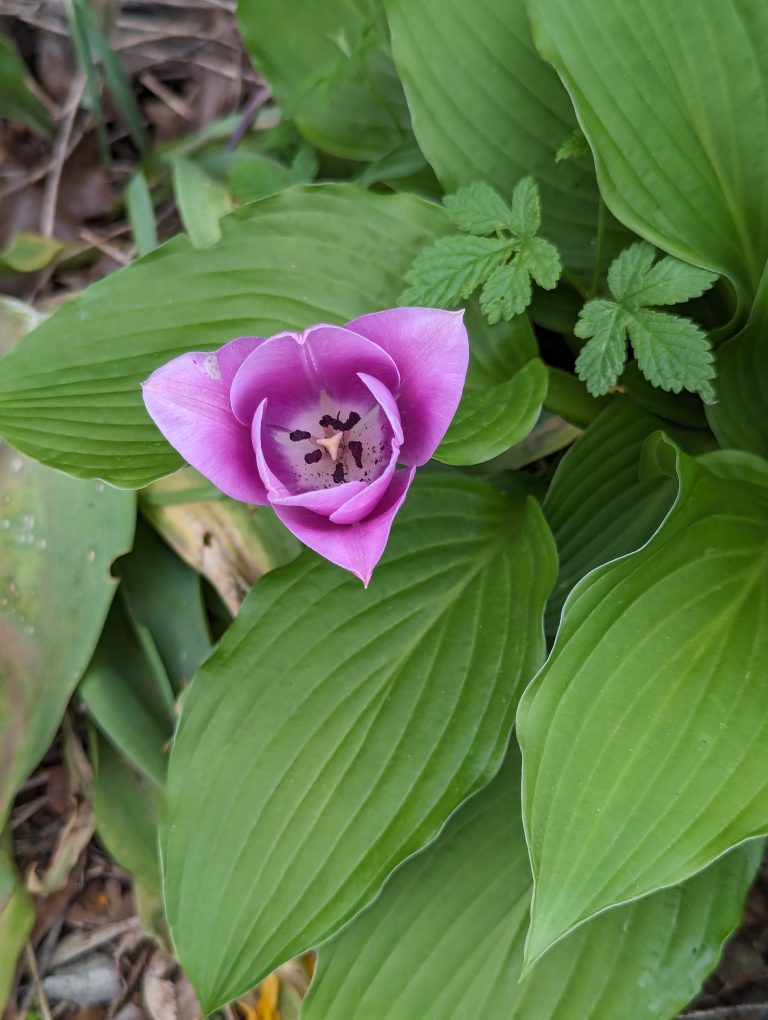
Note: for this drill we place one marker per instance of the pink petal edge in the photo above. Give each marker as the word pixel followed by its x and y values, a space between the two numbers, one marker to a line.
pixel 431 349
pixel 188 399
pixel 354 547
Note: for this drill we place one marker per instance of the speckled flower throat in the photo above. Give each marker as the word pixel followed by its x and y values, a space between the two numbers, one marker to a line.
pixel 341 447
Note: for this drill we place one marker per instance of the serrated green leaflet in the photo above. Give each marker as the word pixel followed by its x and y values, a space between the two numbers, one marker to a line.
pixel 673 353
pixel 542 260
pixel 597 505
pixel 635 279
pixel 600 361
pixel 329 67
pixel 644 737
pixel 479 209
pixel 451 269
pixel 486 107
pixel 740 417
pixel 574 145
pixel 368 717
pixel 691 180
pixel 507 292
pixel 444 941
pixel 447 272
pixel 70 392
pixel 526 208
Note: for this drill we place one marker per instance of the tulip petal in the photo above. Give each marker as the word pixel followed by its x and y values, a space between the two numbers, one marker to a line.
pixel 431 349
pixel 355 547
pixel 188 399
pixel 294 371
pixel 386 402
pixel 361 504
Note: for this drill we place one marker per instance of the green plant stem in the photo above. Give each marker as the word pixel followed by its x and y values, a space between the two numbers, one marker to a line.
pixel 567 397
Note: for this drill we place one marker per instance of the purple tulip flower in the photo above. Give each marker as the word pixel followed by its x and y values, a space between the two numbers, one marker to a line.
pixel 315 423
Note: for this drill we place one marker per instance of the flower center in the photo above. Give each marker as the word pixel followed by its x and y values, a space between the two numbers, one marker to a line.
pixel 335 445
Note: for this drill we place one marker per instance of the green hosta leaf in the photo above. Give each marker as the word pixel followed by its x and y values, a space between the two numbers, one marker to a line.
pixel 444 941
pixel 128 694
pixel 672 352
pixel 736 464
pixel 542 260
pixel 127 809
pixel 486 107
pixel 479 209
pixel 665 121
pixel 598 505
pixel 16 100
pixel 335 729
pixel 449 270
pixel 505 388
pixel 740 417
pixel 329 67
pixel 497 351
pixel 526 208
pixel 644 737
pixel 70 392
pixel 58 537
pixel 507 292
pixel 254 176
pixel 164 595
pixel 403 164
pixel 601 361
pixel 490 421
pixel 682 408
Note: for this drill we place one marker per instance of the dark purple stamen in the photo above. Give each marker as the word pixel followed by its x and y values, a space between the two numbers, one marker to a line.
pixel 356 449
pixel 328 421
pixel 338 473
pixel 350 423
pixel 297 435
pixel 314 457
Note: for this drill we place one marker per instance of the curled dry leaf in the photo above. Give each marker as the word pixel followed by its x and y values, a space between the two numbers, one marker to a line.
pixel 231 544
pixel 73 839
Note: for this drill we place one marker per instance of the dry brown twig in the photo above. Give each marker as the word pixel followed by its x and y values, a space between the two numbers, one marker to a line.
pixel 60 148
pixel 42 998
